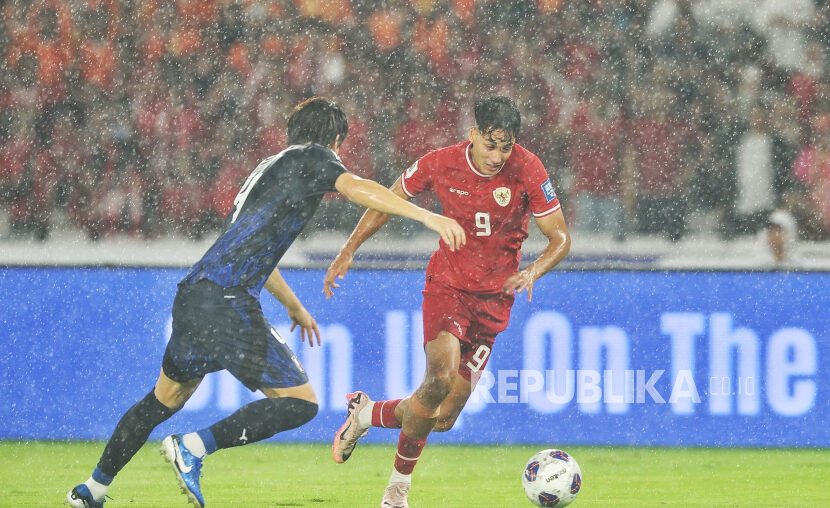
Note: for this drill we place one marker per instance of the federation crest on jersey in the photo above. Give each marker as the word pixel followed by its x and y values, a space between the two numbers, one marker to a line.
pixel 502 196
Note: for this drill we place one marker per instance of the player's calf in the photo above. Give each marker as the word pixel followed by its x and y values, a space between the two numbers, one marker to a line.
pixel 444 424
pixel 260 420
pixel 435 388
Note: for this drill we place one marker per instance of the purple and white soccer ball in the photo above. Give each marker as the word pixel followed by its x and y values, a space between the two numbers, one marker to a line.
pixel 552 478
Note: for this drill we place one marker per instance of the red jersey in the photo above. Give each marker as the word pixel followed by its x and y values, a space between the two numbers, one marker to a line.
pixel 494 211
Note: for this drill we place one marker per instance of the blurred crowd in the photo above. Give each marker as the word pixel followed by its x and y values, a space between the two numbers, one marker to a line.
pixel 661 117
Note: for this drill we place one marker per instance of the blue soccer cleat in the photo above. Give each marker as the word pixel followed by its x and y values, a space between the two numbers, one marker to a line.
pixel 81 497
pixel 188 468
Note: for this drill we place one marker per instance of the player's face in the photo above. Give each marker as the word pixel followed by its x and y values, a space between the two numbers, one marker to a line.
pixel 490 150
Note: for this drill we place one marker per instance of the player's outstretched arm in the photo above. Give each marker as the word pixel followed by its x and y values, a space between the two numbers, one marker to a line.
pixel 277 286
pixel 377 197
pixel 381 202
pixel 559 243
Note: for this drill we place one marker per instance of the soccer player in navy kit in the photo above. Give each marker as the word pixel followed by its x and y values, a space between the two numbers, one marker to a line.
pixel 217 319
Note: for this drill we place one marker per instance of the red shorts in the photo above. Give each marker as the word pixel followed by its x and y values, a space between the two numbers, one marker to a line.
pixel 474 318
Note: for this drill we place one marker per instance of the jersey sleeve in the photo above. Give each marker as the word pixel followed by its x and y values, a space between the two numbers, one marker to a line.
pixel 543 200
pixel 328 167
pixel 417 177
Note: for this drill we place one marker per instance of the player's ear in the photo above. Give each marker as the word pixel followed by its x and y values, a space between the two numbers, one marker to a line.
pixel 336 145
pixel 473 132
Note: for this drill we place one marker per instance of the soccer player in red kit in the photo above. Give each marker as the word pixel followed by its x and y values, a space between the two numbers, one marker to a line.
pixel 491 186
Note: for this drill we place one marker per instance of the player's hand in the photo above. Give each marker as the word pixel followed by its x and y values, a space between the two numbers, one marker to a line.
pixel 450 231
pixel 308 325
pixel 337 270
pixel 519 282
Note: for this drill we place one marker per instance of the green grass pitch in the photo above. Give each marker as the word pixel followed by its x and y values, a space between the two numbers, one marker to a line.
pixel 274 475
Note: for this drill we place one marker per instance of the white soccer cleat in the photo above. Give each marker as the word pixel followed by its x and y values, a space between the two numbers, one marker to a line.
pixel 188 468
pixel 345 439
pixel 395 496
pixel 81 497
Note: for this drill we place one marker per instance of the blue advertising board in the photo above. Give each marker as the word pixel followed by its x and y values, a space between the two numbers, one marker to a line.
pixel 598 357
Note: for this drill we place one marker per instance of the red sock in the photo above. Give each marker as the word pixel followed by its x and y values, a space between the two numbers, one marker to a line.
pixel 409 450
pixel 383 414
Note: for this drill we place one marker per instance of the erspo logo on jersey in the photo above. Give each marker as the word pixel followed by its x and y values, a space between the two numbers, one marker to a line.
pixel 547 188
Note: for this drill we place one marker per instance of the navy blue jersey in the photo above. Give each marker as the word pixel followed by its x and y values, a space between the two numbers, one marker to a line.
pixel 272 207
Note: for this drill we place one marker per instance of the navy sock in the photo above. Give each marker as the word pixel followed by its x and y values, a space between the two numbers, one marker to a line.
pixel 132 432
pixel 262 419
pixel 101 477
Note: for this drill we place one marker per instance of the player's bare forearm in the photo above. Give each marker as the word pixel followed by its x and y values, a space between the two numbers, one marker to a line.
pixel 298 314
pixel 373 195
pixel 369 224
pixel 395 201
pixel 280 290
pixel 556 250
pixel 559 244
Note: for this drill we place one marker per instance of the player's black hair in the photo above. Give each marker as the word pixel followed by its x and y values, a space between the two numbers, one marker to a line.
pixel 317 120
pixel 498 112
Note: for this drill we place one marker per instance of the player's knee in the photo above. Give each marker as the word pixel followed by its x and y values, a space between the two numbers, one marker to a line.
pixel 287 413
pixel 439 384
pixel 307 395
pixel 302 392
pixel 307 411
pixel 174 394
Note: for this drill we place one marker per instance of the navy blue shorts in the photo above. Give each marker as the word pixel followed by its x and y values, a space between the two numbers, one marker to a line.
pixel 217 328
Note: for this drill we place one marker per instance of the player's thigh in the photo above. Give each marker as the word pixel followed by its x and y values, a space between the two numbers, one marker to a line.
pixel 443 354
pixel 199 313
pixel 444 313
pixel 445 323
pixel 491 318
pixel 304 392
pixel 174 394
pixel 282 372
pixel 248 347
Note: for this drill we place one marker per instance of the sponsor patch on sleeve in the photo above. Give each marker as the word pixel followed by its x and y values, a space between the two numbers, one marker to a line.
pixel 411 170
pixel 547 188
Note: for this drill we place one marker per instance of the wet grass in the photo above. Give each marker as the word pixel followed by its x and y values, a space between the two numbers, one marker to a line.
pixel 279 475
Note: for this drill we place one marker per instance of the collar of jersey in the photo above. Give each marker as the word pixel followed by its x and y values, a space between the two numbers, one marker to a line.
pixel 308 144
pixel 473 168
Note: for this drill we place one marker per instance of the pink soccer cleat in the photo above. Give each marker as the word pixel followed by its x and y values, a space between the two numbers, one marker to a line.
pixel 345 439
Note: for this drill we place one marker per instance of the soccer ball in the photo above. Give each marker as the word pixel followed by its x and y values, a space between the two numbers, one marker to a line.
pixel 552 478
